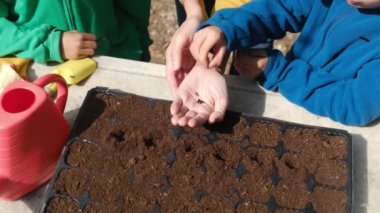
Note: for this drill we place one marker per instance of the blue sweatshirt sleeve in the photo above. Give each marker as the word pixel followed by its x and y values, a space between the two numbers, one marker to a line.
pixel 354 101
pixel 259 20
pixel 41 44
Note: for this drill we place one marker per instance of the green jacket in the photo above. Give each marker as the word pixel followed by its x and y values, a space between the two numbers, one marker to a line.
pixel 33 28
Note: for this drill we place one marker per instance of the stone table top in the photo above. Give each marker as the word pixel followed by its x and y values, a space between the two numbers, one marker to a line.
pixel 148 79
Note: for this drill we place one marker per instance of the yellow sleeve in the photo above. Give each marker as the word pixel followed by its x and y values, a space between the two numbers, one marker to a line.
pixel 221 4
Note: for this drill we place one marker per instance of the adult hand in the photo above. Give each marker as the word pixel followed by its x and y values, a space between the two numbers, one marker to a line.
pixel 76 45
pixel 209 40
pixel 251 62
pixel 201 97
pixel 179 60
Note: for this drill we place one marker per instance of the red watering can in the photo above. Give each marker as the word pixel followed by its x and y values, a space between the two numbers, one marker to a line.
pixel 33 132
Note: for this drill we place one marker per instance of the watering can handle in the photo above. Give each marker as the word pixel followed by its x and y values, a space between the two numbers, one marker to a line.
pixel 61 85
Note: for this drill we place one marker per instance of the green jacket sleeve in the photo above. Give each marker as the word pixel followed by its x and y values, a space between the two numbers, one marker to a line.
pixel 41 43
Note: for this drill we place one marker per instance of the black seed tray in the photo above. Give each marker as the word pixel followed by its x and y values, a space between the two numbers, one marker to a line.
pixel 213 134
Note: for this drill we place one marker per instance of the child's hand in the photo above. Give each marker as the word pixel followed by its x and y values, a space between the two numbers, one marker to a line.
pixel 179 60
pixel 76 45
pixel 201 97
pixel 209 40
pixel 251 62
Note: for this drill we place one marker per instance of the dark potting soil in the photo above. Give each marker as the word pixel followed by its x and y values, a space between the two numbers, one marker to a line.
pixel 125 156
pixel 63 205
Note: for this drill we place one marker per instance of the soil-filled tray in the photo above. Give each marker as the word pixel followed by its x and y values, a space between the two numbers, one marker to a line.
pixel 125 156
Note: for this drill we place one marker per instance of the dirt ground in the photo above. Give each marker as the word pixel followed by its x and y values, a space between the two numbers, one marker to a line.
pixel 163 24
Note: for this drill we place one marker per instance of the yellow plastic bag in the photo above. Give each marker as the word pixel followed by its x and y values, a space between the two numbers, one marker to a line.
pixel 20 65
pixel 74 71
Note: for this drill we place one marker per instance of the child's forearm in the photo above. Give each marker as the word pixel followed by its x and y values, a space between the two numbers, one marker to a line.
pixel 195 9
pixel 256 21
pixel 41 44
pixel 353 100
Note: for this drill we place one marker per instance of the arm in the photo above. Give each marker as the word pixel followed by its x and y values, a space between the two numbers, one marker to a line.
pixel 195 9
pixel 178 57
pixel 351 101
pixel 259 20
pixel 41 43
pixel 250 63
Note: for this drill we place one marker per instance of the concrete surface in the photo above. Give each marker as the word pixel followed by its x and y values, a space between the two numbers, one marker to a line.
pixel 148 79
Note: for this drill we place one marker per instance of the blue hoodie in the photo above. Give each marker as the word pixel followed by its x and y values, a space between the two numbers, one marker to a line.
pixel 333 68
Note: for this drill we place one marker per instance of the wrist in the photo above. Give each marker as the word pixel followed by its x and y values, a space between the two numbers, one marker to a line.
pixel 197 17
pixel 204 67
pixel 195 9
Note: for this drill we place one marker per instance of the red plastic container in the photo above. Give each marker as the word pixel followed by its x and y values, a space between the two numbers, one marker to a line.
pixel 33 132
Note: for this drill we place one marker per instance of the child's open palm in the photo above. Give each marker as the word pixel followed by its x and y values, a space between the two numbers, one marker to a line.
pixel 201 97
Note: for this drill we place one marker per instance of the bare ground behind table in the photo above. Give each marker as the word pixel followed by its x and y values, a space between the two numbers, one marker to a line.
pixel 163 24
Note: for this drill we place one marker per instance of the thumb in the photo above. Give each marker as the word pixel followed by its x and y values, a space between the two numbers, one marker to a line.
pixel 219 110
